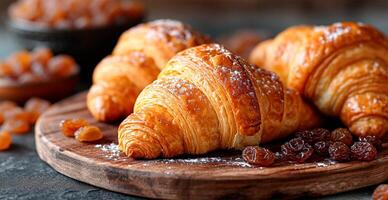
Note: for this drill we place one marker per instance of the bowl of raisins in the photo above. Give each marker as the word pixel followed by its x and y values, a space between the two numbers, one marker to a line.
pixel 87 29
pixel 37 74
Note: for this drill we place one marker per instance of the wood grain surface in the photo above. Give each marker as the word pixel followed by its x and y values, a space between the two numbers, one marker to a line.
pixel 218 175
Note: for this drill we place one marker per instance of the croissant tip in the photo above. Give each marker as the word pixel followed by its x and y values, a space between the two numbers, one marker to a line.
pixel 376 126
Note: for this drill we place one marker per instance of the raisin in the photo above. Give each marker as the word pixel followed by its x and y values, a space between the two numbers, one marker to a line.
pixel 279 156
pixel 41 55
pixel 39 70
pixel 12 112
pixel 293 146
pixel 375 141
pixel 62 66
pixel 305 153
pixel 20 62
pixel 88 133
pixel 70 126
pixel 258 156
pixel 64 14
pixel 314 135
pixel 23 115
pixel 342 135
pixel 37 105
pixel 339 151
pixel 363 151
pixel 296 150
pixel 5 140
pixel 16 126
pixel 381 192
pixel 322 147
pixel 6 70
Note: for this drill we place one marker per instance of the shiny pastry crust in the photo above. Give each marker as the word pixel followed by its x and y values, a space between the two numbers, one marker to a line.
pixel 206 98
pixel 160 39
pixel 136 61
pixel 342 68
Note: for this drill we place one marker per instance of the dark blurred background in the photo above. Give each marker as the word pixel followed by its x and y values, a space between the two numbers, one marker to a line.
pixel 216 17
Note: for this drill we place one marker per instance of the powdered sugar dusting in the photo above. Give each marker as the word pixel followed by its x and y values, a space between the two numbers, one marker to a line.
pixel 332 33
pixel 111 150
pixel 325 163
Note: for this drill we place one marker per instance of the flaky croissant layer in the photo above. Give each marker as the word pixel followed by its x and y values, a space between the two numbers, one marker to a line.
pixel 342 68
pixel 206 98
pixel 136 61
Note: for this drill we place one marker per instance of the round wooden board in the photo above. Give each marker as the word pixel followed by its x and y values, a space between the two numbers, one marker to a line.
pixel 214 176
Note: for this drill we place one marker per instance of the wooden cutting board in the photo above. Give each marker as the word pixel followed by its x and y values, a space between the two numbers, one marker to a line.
pixel 217 175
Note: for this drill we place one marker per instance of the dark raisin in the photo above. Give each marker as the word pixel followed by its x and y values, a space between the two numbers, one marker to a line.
pixel 296 150
pixel 339 151
pixel 279 156
pixel 306 152
pixel 375 141
pixel 322 147
pixel 381 192
pixel 314 135
pixel 258 156
pixel 293 146
pixel 364 151
pixel 342 135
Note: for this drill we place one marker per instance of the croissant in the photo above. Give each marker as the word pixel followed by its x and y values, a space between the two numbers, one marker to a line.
pixel 342 68
pixel 206 98
pixel 135 62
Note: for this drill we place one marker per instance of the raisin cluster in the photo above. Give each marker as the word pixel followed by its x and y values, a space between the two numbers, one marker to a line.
pixel 36 66
pixel 75 14
pixel 338 145
pixel 18 120
pixel 81 130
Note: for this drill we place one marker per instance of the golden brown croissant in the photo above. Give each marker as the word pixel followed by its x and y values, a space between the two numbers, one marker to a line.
pixel 136 61
pixel 342 68
pixel 206 98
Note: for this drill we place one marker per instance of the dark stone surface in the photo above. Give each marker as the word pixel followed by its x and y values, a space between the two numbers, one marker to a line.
pixel 24 176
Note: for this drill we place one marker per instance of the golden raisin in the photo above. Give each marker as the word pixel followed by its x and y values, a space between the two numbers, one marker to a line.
pixel 5 70
pixel 11 112
pixel 5 140
pixel 62 66
pixel 16 126
pixel 41 55
pixel 88 134
pixel 381 192
pixel 20 62
pixel 37 105
pixel 23 115
pixel 66 14
pixel 70 126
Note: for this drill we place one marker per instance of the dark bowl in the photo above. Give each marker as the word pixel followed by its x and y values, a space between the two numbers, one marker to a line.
pixel 53 90
pixel 87 45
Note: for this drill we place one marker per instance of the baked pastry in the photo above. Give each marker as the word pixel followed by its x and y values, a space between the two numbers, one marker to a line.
pixel 206 98
pixel 342 68
pixel 136 61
